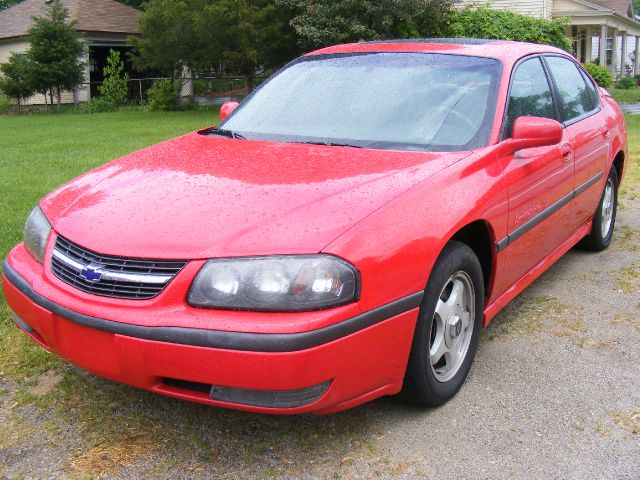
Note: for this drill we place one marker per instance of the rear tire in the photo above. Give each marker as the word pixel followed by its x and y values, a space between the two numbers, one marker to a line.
pixel 604 219
pixel 446 335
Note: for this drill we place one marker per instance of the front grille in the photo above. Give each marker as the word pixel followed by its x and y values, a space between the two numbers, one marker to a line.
pixel 109 276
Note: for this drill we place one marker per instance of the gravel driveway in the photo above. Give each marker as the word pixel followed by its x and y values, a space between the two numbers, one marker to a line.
pixel 554 393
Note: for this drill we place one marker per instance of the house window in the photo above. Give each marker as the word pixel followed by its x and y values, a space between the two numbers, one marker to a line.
pixel 609 51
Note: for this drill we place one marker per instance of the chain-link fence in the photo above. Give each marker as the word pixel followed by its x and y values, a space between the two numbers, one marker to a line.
pixel 204 90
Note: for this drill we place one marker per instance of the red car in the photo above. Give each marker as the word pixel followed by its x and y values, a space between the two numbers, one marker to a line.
pixel 342 235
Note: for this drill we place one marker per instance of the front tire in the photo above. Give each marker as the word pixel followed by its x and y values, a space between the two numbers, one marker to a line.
pixel 605 217
pixel 446 335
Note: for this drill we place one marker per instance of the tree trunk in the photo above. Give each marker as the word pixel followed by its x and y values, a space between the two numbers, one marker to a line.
pixel 51 96
pixel 46 100
pixel 59 95
pixel 249 82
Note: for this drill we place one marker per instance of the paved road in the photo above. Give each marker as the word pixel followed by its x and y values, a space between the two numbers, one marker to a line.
pixel 554 394
pixel 632 108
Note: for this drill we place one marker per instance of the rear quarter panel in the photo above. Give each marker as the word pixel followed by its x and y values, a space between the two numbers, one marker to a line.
pixel 616 122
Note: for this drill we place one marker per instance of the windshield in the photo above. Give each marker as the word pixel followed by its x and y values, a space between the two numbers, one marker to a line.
pixel 415 101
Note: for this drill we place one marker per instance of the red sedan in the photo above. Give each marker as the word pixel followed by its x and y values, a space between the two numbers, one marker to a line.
pixel 342 235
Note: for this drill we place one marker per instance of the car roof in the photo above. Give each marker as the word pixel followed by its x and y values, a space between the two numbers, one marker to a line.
pixel 500 49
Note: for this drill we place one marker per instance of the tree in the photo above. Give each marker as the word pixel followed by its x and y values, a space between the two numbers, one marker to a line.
pixel 249 35
pixel 200 34
pixel 55 51
pixel 329 22
pixel 173 34
pixel 484 22
pixel 17 81
pixel 115 85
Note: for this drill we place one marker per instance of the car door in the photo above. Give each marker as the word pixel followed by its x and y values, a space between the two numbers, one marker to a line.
pixel 539 180
pixel 588 133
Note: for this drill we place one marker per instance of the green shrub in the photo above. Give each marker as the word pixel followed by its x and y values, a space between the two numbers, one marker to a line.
pixel 115 86
pixel 17 78
pixel 5 104
pixel 200 87
pixel 600 74
pixel 484 22
pixel 626 82
pixel 98 105
pixel 163 95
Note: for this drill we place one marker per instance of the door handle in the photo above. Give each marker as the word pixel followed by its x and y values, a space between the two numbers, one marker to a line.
pixel 567 152
pixel 606 133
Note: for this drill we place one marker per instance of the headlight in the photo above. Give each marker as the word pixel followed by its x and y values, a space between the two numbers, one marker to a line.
pixel 36 233
pixel 275 284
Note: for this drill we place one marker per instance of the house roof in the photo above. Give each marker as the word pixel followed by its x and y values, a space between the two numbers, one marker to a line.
pixel 623 7
pixel 92 16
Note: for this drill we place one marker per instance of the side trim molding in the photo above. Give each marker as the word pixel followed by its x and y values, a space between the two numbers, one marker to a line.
pixel 252 342
pixel 546 213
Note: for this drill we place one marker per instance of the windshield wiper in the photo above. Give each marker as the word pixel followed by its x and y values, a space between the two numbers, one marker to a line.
pixel 330 144
pixel 226 133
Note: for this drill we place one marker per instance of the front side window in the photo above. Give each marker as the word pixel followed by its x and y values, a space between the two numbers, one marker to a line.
pixel 413 101
pixel 530 94
pixel 575 98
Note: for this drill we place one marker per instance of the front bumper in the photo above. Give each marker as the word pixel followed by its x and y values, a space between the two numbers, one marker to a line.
pixel 325 370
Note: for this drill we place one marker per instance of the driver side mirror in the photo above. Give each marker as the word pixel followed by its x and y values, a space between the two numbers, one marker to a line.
pixel 227 108
pixel 531 132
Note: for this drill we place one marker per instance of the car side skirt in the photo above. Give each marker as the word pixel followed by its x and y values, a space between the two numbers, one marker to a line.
pixel 534 273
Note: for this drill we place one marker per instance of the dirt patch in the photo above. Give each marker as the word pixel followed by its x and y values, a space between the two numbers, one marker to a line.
pixel 15 430
pixel 628 322
pixel 629 421
pixel 629 279
pixel 112 455
pixel 46 383
pixel 528 316
pixel 626 239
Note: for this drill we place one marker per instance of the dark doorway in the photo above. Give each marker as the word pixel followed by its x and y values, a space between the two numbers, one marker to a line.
pixel 97 62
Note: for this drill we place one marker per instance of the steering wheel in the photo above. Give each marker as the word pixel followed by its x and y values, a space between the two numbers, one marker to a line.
pixel 464 120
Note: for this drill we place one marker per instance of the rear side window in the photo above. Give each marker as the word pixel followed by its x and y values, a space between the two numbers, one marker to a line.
pixel 576 99
pixel 530 93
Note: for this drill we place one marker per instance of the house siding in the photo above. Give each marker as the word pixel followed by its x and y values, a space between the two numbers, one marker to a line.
pixel 550 7
pixel 533 8
pixel 21 45
pixel 6 48
pixel 567 6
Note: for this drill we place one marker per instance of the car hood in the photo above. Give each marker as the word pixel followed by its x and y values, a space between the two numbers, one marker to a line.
pixel 199 196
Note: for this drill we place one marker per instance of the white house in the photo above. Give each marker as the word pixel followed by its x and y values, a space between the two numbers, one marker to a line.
pixel 598 27
pixel 104 24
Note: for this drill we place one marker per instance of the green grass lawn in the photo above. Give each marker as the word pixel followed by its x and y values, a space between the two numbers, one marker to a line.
pixel 631 95
pixel 38 153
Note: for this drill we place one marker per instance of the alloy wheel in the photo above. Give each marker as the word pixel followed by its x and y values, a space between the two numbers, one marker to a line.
pixel 452 326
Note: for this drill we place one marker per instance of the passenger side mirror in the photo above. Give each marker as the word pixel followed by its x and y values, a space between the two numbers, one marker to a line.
pixel 227 108
pixel 531 132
